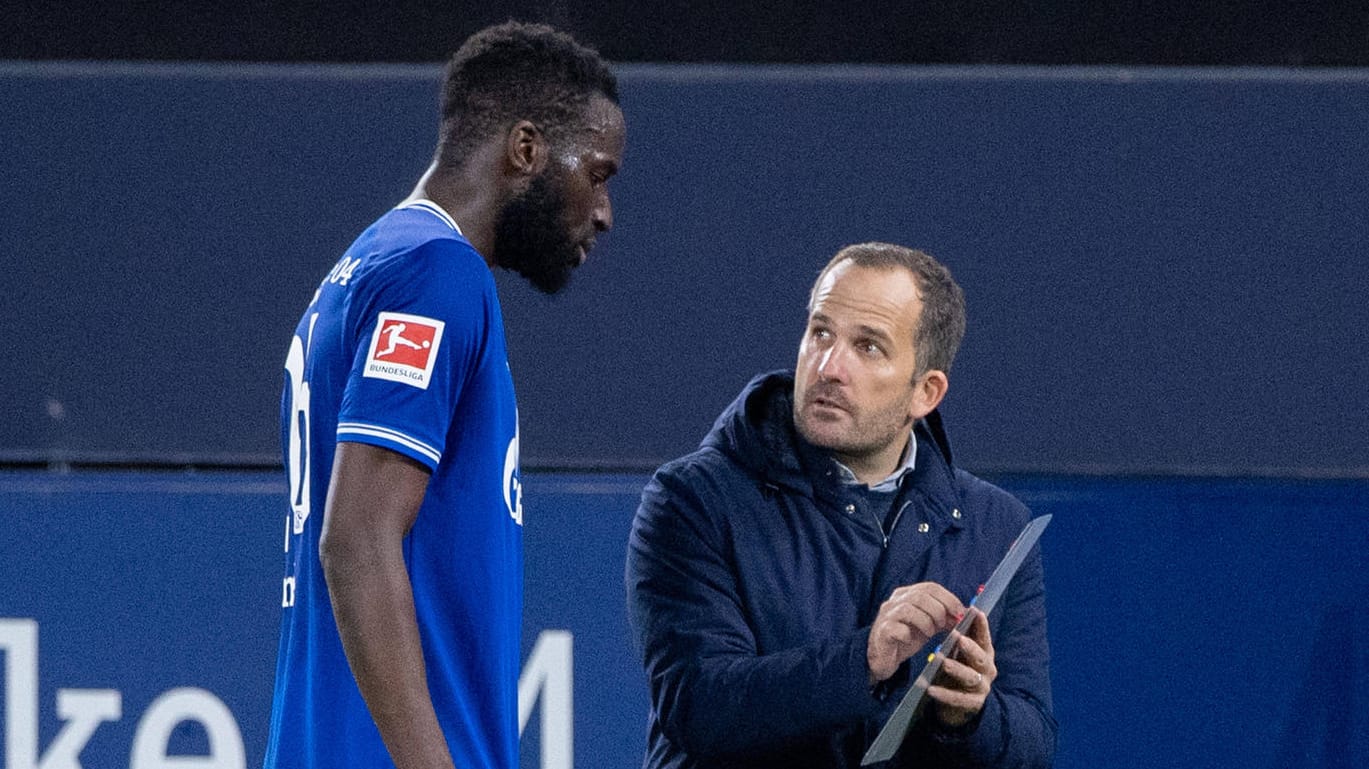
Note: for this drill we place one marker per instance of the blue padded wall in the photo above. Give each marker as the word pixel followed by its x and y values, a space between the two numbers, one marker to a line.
pixel 1163 266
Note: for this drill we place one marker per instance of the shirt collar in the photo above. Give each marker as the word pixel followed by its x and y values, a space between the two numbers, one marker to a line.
pixel 890 483
pixel 435 210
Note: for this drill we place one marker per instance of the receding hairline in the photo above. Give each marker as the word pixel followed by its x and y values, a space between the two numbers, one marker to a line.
pixel 837 263
pixel 939 327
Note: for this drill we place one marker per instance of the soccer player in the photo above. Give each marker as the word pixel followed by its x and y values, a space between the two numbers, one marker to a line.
pixel 403 590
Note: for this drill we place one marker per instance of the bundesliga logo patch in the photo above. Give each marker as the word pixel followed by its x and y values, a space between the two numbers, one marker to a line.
pixel 404 348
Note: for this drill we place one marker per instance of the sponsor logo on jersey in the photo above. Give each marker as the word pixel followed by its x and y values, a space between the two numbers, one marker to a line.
pixel 513 484
pixel 404 348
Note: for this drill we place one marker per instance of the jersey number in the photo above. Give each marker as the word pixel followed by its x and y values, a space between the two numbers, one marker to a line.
pixel 297 461
pixel 298 457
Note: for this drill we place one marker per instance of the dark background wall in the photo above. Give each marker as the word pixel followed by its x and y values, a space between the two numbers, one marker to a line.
pixel 1164 267
pixel 1264 32
pixel 1162 263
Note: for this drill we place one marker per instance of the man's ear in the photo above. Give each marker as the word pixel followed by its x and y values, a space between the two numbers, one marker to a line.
pixel 928 391
pixel 525 149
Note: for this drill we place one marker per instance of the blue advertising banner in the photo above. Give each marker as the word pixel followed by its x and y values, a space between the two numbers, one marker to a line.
pixel 1188 617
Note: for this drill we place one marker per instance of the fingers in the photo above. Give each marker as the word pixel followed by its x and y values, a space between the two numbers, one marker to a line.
pixel 960 691
pixel 937 600
pixel 966 675
pixel 892 640
pixel 919 621
pixel 960 683
pixel 955 707
pixel 913 615
pixel 974 648
pixel 979 631
pixel 925 608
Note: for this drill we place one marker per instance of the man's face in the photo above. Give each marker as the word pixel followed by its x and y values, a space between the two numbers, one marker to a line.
pixel 854 392
pixel 546 231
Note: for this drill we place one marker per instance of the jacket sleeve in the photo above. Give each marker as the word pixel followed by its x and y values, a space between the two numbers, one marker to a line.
pixel 713 693
pixel 1017 728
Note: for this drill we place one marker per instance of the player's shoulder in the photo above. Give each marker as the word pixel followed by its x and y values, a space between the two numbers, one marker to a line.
pixel 416 247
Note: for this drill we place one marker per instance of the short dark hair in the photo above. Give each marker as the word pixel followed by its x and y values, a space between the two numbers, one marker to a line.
pixel 515 71
pixel 941 326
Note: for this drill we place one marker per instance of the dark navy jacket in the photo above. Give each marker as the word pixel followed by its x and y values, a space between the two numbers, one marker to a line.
pixel 753 576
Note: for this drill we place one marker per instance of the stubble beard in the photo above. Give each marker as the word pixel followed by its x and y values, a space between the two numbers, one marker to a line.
pixel 863 435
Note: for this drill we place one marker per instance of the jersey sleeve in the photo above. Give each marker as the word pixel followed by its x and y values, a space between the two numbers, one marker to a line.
pixel 419 325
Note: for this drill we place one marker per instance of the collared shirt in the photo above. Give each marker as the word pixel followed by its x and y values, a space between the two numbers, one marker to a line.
pixel 890 483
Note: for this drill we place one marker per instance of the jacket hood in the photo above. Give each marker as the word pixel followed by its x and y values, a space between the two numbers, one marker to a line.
pixel 757 431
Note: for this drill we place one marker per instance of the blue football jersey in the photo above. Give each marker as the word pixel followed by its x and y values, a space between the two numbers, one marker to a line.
pixel 403 347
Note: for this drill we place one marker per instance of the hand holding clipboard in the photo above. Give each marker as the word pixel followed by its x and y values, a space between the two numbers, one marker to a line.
pixel 913 703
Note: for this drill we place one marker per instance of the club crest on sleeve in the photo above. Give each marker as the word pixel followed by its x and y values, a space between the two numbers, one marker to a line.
pixel 404 348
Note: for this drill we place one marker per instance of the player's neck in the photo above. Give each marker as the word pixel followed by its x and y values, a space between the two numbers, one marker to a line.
pixel 470 203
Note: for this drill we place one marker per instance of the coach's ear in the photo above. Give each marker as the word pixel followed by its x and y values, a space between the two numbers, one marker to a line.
pixel 525 149
pixel 928 391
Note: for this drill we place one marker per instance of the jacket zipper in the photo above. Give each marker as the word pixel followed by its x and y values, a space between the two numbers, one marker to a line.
pixel 880 524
